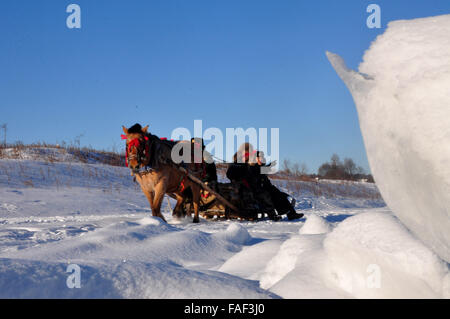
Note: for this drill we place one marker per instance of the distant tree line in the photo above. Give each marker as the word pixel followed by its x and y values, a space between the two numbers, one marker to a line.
pixel 344 170
pixel 294 169
pixel 334 169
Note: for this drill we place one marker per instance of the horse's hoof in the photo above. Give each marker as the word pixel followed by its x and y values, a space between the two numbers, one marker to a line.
pixel 196 221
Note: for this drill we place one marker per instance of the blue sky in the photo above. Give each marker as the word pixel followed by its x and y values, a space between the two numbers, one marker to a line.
pixel 252 63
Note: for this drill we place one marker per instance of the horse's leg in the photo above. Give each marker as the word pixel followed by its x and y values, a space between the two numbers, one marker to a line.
pixel 196 201
pixel 147 192
pixel 158 198
pixel 178 210
pixel 149 196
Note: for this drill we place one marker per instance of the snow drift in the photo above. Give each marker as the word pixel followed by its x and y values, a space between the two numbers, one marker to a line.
pixel 53 214
pixel 134 258
pixel 372 255
pixel 402 94
pixel 368 255
pixel 56 214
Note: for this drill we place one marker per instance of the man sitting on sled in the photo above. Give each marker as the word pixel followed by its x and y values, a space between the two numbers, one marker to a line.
pixel 279 198
pixel 256 187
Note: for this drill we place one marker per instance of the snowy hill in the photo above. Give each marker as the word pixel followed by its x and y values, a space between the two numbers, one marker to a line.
pixel 56 214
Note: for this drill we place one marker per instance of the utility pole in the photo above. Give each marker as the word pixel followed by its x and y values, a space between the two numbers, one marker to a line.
pixel 4 127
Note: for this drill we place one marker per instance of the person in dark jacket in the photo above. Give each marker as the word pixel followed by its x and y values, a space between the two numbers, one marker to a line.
pixel 240 170
pixel 246 175
pixel 279 198
pixel 210 170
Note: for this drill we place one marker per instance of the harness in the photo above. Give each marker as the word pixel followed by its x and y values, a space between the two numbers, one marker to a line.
pixel 198 166
pixel 141 156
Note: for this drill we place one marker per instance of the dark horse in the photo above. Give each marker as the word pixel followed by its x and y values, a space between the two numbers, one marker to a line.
pixel 145 150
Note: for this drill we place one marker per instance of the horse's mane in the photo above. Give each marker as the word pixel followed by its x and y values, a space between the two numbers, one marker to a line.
pixel 160 149
pixel 168 143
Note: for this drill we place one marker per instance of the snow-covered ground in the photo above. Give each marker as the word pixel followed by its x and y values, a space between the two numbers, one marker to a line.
pixel 56 214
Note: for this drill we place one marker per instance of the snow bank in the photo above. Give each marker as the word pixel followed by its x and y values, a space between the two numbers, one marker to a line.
pixel 132 258
pixel 39 153
pixel 308 278
pixel 369 255
pixel 51 154
pixel 286 258
pixel 403 100
pixel 372 255
pixel 40 279
pixel 251 261
pixel 95 216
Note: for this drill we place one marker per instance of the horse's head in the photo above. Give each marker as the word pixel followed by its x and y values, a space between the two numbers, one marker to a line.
pixel 137 151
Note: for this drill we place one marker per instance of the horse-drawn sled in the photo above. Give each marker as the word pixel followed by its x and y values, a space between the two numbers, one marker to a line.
pixel 193 180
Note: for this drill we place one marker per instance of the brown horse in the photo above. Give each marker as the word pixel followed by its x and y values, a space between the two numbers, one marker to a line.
pixel 145 150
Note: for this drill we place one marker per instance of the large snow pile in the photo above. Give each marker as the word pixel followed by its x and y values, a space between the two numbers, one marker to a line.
pixel 402 94
pixel 369 255
pixel 372 255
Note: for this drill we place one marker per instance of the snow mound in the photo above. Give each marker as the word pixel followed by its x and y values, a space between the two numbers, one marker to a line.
pixel 314 225
pixel 255 259
pixel 372 255
pixel 286 259
pixel 402 96
pixel 369 255
pixel 26 279
pixel 237 234
pixel 155 221
pixel 131 258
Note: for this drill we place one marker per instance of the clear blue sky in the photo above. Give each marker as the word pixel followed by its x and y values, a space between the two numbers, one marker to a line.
pixel 246 63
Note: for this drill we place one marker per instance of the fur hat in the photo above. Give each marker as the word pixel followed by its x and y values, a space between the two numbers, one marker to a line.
pixel 136 128
pixel 243 149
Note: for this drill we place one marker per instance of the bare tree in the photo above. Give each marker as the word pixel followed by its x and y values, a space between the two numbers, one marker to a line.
pixel 303 169
pixel 360 171
pixel 296 169
pixel 287 166
pixel 350 167
pixel 335 160
pixel 347 170
pixel 324 170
